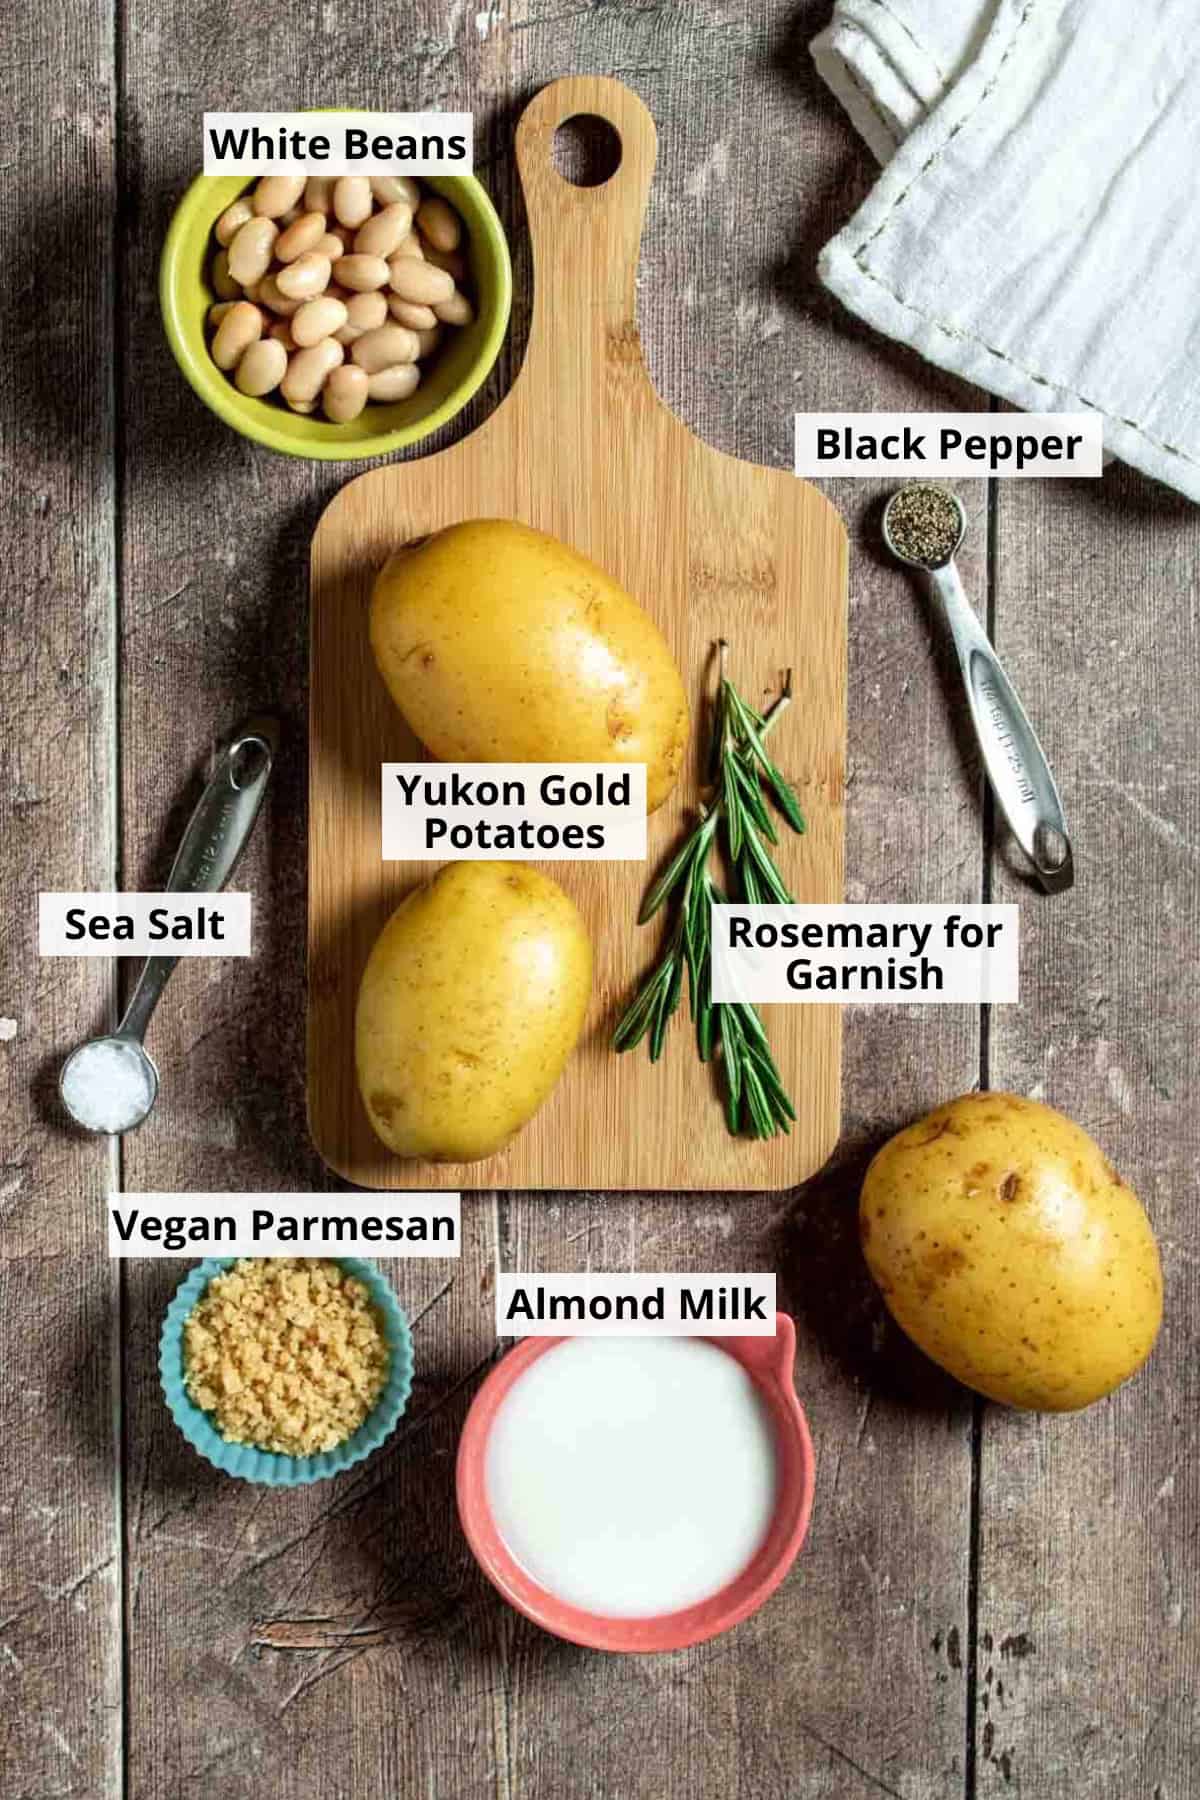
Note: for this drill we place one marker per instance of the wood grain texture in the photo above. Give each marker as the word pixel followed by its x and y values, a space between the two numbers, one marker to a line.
pixel 60 1576
pixel 852 1682
pixel 214 550
pixel 339 1642
pixel 583 448
pixel 1089 1591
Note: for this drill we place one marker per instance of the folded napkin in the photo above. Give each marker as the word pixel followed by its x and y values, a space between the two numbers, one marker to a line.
pixel 1034 228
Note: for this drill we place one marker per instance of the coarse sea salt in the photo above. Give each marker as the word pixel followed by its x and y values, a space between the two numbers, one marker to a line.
pixel 108 1085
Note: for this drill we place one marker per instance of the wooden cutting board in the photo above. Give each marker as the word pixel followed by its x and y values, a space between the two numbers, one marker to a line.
pixel 582 447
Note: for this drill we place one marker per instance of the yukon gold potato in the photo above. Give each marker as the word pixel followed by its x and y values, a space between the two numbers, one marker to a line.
pixel 1012 1252
pixel 500 644
pixel 472 1000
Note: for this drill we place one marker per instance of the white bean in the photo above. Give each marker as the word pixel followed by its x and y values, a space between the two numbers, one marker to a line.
pixel 388 189
pixel 308 275
pixel 261 368
pixel 250 250
pixel 385 231
pixel 364 312
pixel 396 383
pixel 457 310
pixel 362 273
pixel 352 200
pixel 241 327
pixel 270 296
pixel 419 282
pixel 388 344
pixel 307 369
pixel 305 234
pixel 417 318
pixel 450 260
pixel 440 224
pixel 233 218
pixel 275 194
pixel 317 319
pixel 318 194
pixel 345 394
pixel 224 286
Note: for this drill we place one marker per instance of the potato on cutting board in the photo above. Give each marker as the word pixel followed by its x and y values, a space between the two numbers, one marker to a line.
pixel 470 1005
pixel 500 644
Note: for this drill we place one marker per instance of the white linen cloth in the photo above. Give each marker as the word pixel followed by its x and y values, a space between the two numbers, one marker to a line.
pixel 1036 227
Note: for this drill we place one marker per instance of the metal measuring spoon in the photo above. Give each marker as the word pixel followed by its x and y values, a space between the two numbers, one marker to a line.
pixel 1014 760
pixel 110 1083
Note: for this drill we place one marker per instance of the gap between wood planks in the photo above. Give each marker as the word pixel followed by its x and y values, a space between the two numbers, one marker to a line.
pixel 975 1499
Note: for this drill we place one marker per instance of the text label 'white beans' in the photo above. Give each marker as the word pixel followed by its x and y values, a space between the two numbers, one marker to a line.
pixel 338 143
pixel 514 812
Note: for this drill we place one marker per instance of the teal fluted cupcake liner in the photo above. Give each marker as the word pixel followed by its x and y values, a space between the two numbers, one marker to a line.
pixel 268 1467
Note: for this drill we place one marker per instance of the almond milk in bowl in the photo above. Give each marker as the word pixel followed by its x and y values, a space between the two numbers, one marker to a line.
pixel 638 1494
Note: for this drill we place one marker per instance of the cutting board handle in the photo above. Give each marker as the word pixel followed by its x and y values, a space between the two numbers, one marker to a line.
pixel 585 242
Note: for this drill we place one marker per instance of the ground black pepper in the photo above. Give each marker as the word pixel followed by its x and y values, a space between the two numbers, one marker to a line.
pixel 924 525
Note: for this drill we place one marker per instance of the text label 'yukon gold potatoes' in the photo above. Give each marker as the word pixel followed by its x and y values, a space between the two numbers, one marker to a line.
pixel 501 644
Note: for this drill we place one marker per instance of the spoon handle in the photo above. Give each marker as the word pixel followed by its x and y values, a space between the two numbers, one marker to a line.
pixel 1015 762
pixel 216 835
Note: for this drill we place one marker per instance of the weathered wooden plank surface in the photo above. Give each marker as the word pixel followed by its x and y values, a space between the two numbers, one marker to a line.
pixel 1089 1605
pixel 339 1641
pixel 754 170
pixel 225 1687
pixel 59 1566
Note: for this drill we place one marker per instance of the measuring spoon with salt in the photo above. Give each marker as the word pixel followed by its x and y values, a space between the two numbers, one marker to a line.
pixel 923 528
pixel 110 1083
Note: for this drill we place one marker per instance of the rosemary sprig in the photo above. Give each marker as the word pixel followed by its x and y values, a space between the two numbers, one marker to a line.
pixel 756 1102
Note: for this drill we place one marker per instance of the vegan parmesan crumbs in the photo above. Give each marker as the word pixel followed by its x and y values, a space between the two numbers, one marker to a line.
pixel 286 1353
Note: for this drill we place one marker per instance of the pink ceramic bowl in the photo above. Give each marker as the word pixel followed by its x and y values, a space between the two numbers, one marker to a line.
pixel 768 1361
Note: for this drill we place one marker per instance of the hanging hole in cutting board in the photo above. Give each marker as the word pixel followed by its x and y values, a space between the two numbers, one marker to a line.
pixel 587 150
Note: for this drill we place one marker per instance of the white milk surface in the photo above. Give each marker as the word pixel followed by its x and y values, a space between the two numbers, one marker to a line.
pixel 632 1476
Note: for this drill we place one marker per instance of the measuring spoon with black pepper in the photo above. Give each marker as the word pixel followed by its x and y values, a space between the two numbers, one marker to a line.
pixel 923 527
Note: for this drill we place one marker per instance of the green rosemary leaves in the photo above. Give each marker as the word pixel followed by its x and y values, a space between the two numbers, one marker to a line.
pixel 736 819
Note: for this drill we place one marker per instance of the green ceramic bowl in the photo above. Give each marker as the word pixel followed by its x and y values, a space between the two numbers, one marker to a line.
pixel 462 363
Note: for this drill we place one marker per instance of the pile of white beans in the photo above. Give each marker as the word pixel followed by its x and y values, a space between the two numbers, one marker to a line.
pixel 331 291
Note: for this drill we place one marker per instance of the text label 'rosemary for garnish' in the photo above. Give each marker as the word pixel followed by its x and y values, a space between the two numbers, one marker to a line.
pixel 514 812
pixel 882 955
